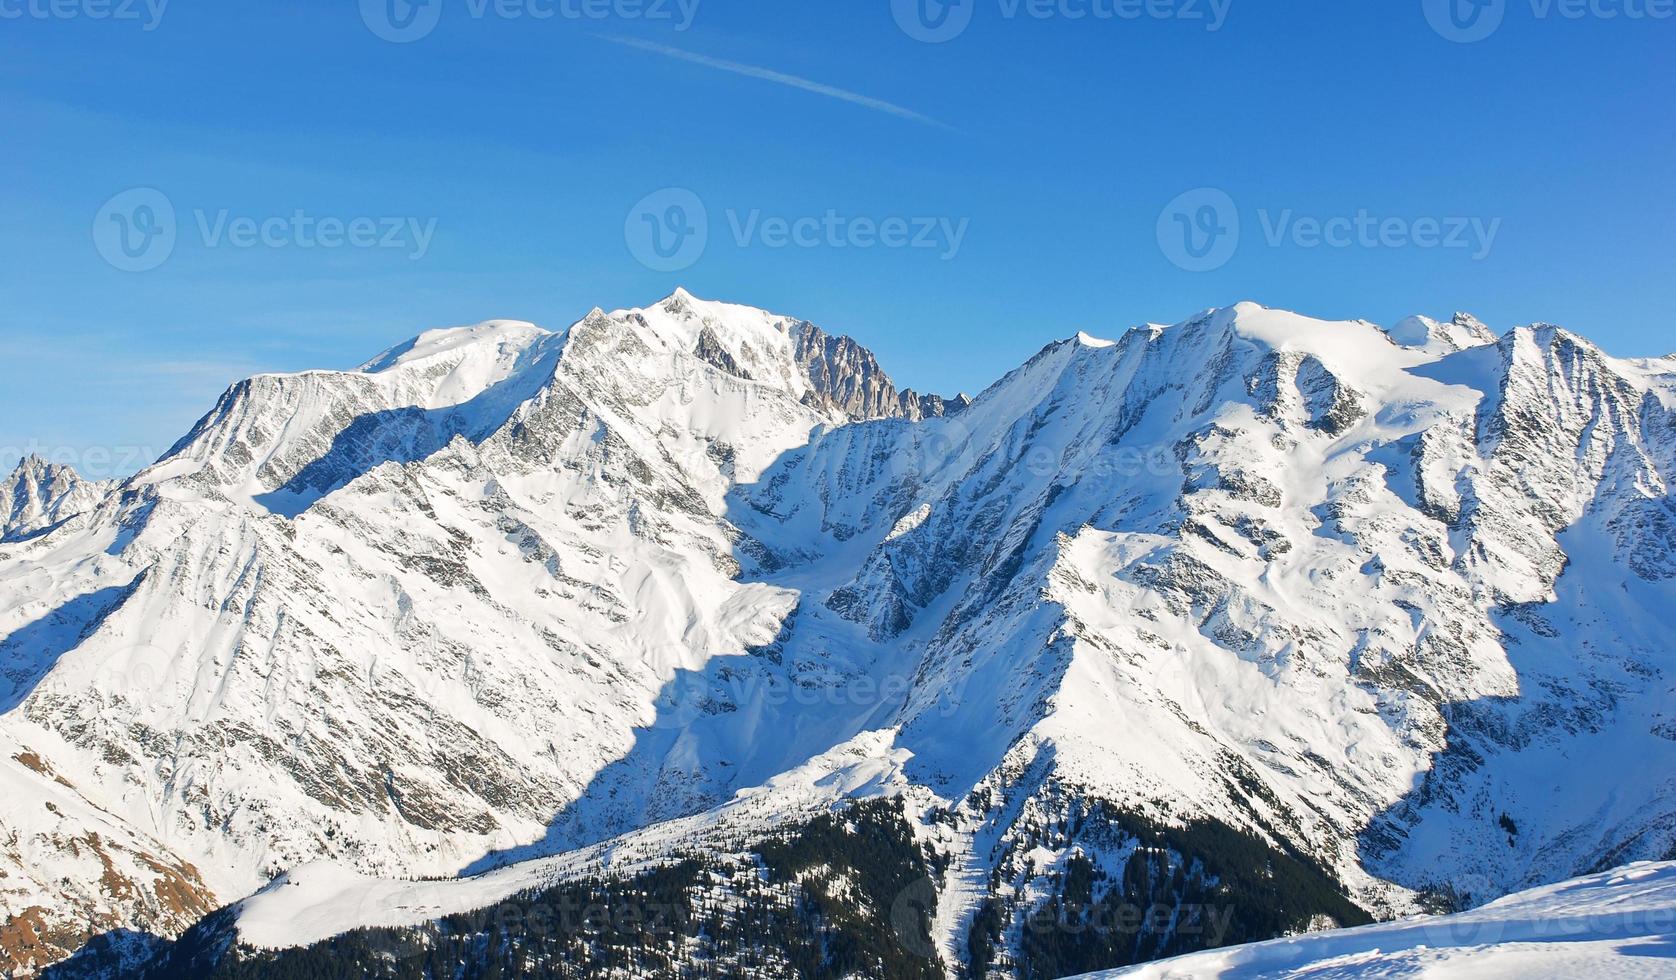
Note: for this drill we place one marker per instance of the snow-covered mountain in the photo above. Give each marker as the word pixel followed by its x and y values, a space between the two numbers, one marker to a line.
pixel 1616 924
pixel 1314 621
pixel 40 494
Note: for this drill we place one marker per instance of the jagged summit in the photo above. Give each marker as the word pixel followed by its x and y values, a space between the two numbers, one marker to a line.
pixel 831 373
pixel 35 467
pixel 40 494
pixel 1461 332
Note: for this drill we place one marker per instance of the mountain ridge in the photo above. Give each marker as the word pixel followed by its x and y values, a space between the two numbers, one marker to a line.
pixel 507 592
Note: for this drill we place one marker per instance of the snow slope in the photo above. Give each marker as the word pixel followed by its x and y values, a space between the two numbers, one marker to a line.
pixel 1618 924
pixel 71 870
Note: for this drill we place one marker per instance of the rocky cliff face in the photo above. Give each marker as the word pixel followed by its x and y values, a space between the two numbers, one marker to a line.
pixel 846 378
pixel 39 495
pixel 1252 589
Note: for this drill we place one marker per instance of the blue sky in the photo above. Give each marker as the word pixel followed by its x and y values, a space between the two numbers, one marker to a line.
pixel 954 205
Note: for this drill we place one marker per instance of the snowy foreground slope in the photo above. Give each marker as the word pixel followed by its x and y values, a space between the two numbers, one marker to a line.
pixel 1272 622
pixel 1619 924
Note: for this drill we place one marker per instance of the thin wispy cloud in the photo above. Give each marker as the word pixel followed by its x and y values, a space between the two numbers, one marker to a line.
pixel 779 78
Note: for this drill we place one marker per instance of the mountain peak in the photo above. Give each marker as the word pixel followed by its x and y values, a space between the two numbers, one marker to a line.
pixel 832 373
pixel 1460 332
pixel 1551 336
pixel 448 340
pixel 31 462
pixel 37 468
pixel 1469 321
pixel 40 493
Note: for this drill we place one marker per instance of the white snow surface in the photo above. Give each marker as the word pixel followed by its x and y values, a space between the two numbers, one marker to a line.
pixel 1619 924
